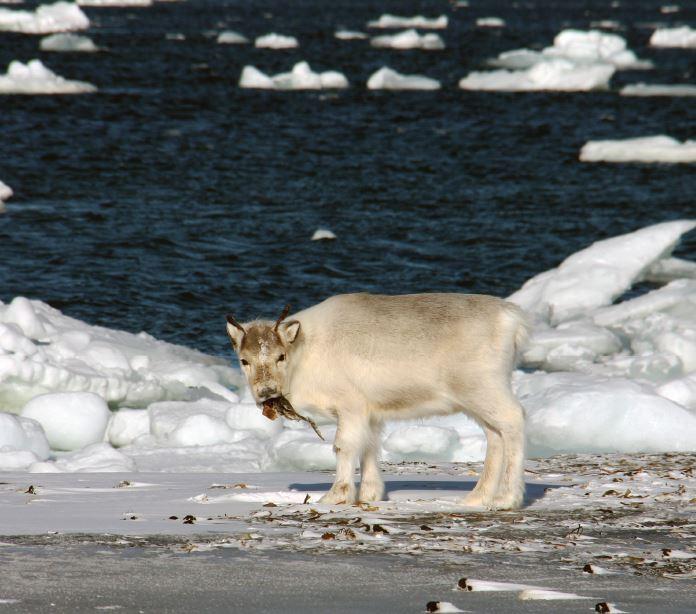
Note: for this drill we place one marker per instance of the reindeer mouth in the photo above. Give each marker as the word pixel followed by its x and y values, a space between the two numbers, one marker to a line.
pixel 271 408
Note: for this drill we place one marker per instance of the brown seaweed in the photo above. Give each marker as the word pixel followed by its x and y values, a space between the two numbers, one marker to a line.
pixel 281 406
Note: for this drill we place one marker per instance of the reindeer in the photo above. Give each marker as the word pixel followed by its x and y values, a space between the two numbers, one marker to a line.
pixel 362 359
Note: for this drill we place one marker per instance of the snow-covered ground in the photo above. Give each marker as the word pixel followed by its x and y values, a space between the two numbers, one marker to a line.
pixel 301 77
pixel 599 377
pixel 35 78
pixel 660 148
pixel 46 19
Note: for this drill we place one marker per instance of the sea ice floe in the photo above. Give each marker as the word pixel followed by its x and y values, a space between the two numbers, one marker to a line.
pixel 387 79
pixel 658 89
pixel 557 75
pixel 301 77
pixel 323 234
pixel 35 78
pixel 395 21
pixel 68 43
pixel 5 194
pixel 230 37
pixel 46 19
pixel 490 22
pixel 649 149
pixel 669 9
pixel 596 275
pixel 276 41
pixel 684 37
pixel 349 35
pixel 409 39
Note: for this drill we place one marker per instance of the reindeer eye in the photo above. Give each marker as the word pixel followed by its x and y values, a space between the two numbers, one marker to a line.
pixel 244 362
pixel 281 357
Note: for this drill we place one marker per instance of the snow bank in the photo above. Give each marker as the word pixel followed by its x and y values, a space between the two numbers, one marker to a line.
pixel 68 43
pixel 41 351
pixel 409 39
pixel 96 458
pixel 394 21
pixel 596 275
pixel 229 37
pixel 655 89
pixel 22 442
pixel 648 149
pixel 301 77
pixel 558 75
pixel 34 78
pixel 47 18
pixel 387 79
pixel 684 36
pixel 71 420
pixel 490 22
pixel 276 41
pixel 349 35
pixel 579 413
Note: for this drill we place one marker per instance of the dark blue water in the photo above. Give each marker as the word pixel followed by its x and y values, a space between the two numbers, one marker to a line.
pixel 172 197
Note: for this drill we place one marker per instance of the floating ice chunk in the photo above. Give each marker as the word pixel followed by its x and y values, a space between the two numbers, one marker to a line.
pixel 23 434
pixel 229 37
pixel 96 458
pixel 323 234
pixel 590 47
pixel 71 420
pixel 126 425
pixel 35 78
pixel 409 39
pixel 5 192
pixel 276 41
pixel 582 413
pixel 596 275
pixel 115 3
pixel 421 442
pixel 649 149
pixel 682 391
pixel 47 18
pixel 301 77
pixel 578 47
pixel 557 75
pixel 387 79
pixel 490 22
pixel 349 35
pixel 68 43
pixel 684 37
pixel 394 21
pixel 606 24
pixel 658 89
pixel 669 8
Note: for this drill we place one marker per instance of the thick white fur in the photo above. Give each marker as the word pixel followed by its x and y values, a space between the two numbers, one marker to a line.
pixel 364 359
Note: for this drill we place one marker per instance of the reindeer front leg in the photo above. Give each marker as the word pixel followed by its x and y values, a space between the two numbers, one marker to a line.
pixel 351 438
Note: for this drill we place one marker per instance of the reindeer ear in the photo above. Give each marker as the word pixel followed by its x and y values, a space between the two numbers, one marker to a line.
pixel 236 332
pixel 288 331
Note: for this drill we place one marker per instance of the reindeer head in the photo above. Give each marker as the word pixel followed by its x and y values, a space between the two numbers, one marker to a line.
pixel 263 348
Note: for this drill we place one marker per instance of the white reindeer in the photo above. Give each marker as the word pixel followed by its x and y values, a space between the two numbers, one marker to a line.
pixel 362 359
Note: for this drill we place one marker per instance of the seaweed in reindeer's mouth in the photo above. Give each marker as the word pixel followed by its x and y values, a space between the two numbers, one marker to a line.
pixel 280 405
